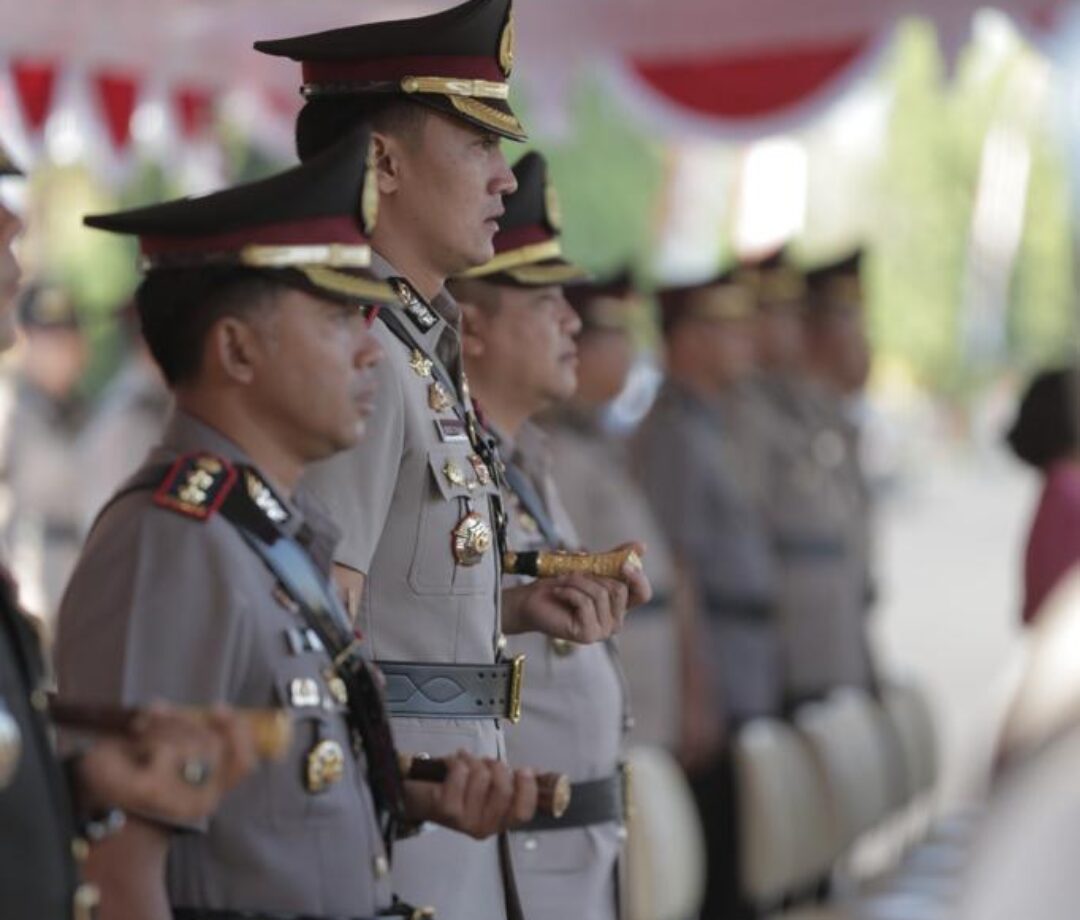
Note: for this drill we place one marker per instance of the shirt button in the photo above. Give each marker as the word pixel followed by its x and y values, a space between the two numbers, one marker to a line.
pixel 500 643
pixel 530 844
pixel 382 866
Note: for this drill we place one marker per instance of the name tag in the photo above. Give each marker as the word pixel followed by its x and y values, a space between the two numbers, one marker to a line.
pixel 451 430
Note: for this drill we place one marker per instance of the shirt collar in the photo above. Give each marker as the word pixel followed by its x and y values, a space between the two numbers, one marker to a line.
pixel 307 522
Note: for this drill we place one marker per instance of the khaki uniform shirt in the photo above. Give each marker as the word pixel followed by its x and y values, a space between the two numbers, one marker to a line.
pixel 608 508
pixel 571 722
pixel 706 492
pixel 817 514
pixel 398 506
pixel 164 606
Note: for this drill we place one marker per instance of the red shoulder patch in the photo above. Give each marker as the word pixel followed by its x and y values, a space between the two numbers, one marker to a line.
pixel 196 485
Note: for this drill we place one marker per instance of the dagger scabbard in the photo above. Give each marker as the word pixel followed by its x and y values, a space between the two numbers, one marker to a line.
pixel 553 788
pixel 545 564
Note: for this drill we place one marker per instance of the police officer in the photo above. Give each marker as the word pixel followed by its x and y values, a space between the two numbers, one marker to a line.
pixel 43 804
pixel 591 467
pixel 707 490
pixel 44 528
pixel 126 422
pixel 812 352
pixel 206 578
pixel 521 357
pixel 419 547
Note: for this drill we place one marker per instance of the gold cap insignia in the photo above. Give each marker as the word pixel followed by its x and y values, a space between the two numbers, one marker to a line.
pixel 506 44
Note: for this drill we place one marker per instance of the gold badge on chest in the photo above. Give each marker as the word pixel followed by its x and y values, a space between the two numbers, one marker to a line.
pixel 420 363
pixel 439 399
pixel 325 766
pixel 454 474
pixel 480 468
pixel 471 539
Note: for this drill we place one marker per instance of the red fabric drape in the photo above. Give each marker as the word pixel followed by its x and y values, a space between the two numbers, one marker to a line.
pixel 751 86
pixel 117 94
pixel 35 84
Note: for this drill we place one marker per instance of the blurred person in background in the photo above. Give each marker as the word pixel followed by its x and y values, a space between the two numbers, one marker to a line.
pixel 126 422
pixel 707 491
pixel 591 466
pixel 44 528
pixel 1044 436
pixel 518 345
pixel 50 812
pixel 811 358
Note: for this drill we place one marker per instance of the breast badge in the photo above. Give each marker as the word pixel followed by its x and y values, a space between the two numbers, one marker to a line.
pixel 439 399
pixel 325 766
pixel 480 468
pixel 471 539
pixel 420 363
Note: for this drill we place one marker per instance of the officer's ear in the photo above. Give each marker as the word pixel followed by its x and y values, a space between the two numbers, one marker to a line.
pixel 387 152
pixel 474 320
pixel 233 349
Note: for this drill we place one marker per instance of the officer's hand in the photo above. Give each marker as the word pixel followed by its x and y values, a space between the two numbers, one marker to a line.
pixel 637 583
pixel 173 765
pixel 479 797
pixel 576 607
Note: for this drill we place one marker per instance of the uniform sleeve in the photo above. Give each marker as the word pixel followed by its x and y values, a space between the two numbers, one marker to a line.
pixel 156 610
pixel 357 486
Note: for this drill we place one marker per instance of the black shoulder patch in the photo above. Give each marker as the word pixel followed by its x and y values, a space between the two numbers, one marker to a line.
pixel 196 485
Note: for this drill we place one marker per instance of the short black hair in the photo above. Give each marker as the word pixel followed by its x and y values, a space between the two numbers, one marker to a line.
pixel 1046 426
pixel 323 122
pixel 178 307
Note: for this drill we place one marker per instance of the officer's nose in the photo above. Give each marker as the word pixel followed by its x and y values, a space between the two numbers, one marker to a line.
pixel 504 182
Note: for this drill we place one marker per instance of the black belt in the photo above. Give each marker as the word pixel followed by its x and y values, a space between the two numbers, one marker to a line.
pixel 659 603
pixel 454 691
pixel 809 549
pixel 399 909
pixel 198 913
pixel 725 607
pixel 597 801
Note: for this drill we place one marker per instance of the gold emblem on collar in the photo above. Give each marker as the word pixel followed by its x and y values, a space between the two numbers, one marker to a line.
pixel 420 363
pixel 325 766
pixel 472 539
pixel 438 399
pixel 506 44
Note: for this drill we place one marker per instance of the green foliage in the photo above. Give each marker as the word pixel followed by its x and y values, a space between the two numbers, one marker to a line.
pixel 609 176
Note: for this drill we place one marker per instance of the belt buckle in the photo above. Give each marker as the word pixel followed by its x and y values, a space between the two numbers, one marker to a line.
pixel 517 679
pixel 626 771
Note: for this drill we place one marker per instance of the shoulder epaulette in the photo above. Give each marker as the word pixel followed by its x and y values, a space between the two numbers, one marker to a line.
pixel 196 485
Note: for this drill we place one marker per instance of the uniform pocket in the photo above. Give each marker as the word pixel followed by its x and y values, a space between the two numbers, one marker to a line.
pixel 453 492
